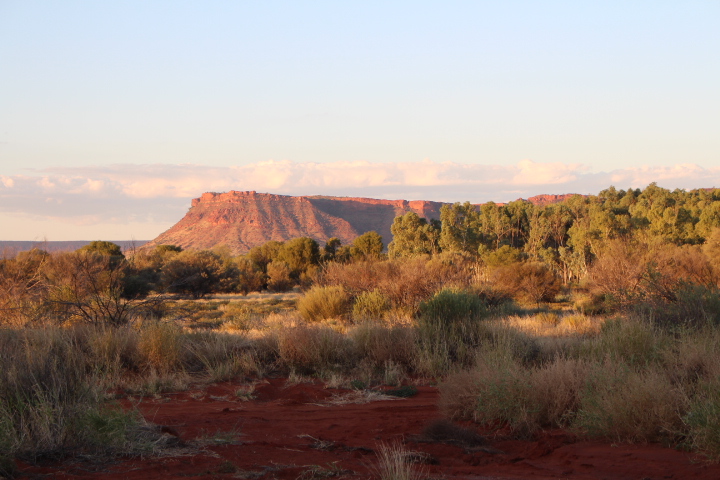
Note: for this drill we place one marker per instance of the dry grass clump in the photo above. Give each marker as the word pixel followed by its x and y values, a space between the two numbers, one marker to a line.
pixel 380 345
pixel 396 463
pixel 160 345
pixel 449 330
pixel 625 403
pixel 552 324
pixel 220 356
pixel 113 351
pixel 323 303
pixel 599 399
pixel 631 382
pixel 633 340
pixel 702 420
pixel 51 402
pixel 314 349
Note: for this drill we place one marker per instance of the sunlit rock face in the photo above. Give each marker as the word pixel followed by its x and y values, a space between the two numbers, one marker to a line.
pixel 242 220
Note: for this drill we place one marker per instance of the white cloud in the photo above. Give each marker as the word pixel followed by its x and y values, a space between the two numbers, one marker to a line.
pixel 160 194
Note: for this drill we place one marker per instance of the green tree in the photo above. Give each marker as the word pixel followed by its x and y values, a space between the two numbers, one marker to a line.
pixel 330 249
pixel 103 248
pixel 367 245
pixel 414 235
pixel 194 273
pixel 519 223
pixel 299 254
pixel 250 277
pixel 461 228
pixel 265 253
pixel 495 224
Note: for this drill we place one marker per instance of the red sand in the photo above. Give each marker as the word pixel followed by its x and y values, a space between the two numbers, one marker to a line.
pixel 289 432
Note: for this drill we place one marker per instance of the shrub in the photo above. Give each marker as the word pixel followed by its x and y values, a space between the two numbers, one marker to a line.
pixel 530 281
pixel 591 304
pixel 322 303
pixel 279 277
pixel 194 273
pixel 693 304
pixel 406 282
pixel 450 306
pixel 448 330
pixel 370 306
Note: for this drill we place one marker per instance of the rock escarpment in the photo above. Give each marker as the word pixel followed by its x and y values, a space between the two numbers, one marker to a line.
pixel 242 220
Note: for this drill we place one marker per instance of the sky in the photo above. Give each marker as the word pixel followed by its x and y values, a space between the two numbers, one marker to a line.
pixel 114 115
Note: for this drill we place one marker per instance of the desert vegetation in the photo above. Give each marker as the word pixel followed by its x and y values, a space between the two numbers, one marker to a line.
pixel 599 314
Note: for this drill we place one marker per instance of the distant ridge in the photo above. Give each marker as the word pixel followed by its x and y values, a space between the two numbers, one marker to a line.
pixel 242 220
pixel 8 247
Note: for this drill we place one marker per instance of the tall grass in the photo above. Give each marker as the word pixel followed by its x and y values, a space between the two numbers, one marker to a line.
pixel 50 400
pixel 632 381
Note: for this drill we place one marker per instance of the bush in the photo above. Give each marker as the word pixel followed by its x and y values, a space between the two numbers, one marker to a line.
pixel 448 330
pixel 370 306
pixel 531 281
pixel 693 304
pixel 450 306
pixel 406 282
pixel 194 273
pixel 279 277
pixel 322 303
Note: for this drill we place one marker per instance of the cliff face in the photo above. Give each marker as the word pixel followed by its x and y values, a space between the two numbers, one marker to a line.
pixel 242 220
pixel 543 200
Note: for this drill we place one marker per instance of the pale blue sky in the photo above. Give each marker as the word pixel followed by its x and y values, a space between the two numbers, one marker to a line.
pixel 596 86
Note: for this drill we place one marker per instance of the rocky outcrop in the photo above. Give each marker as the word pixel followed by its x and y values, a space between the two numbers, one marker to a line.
pixel 242 220
pixel 543 200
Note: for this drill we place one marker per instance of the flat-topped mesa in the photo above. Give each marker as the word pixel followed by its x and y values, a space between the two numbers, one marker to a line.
pixel 244 219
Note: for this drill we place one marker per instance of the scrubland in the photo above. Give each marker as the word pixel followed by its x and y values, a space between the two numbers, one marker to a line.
pixel 629 351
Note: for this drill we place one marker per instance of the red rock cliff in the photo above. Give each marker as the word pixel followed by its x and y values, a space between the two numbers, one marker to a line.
pixel 242 220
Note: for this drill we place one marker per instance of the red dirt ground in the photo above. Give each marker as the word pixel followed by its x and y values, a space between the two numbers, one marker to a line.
pixel 293 432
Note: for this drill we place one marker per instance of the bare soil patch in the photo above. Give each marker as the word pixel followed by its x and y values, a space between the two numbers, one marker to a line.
pixel 305 431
